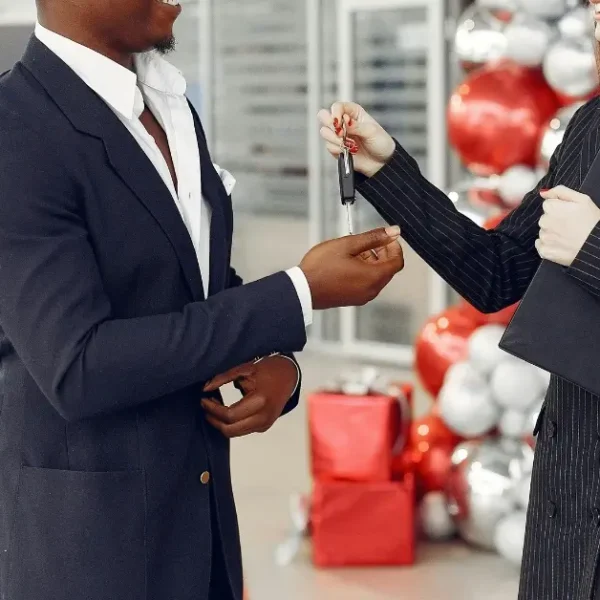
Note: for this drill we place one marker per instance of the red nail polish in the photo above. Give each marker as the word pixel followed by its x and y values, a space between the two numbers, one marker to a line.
pixel 338 130
pixel 354 150
pixel 336 122
pixel 543 190
pixel 350 121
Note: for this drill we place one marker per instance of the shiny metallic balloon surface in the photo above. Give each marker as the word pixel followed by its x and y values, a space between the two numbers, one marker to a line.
pixel 481 486
pixel 554 132
pixel 479 37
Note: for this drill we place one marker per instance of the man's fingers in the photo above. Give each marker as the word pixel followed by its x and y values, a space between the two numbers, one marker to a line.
pixel 392 250
pixel 357 244
pixel 249 405
pixel 391 265
pixel 242 428
pixel 245 417
pixel 228 377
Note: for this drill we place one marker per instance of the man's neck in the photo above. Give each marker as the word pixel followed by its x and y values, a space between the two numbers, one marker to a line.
pixel 85 38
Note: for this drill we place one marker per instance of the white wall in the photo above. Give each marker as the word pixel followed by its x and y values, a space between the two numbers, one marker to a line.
pixel 17 12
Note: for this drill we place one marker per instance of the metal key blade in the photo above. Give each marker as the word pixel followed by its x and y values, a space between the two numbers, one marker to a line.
pixel 349 219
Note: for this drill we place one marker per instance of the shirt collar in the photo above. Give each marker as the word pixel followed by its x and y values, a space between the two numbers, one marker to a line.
pixel 115 84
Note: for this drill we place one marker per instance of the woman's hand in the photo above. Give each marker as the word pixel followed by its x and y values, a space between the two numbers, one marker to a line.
pixel 370 144
pixel 566 224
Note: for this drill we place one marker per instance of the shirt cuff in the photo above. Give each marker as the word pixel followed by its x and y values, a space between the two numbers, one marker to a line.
pixel 304 295
pixel 586 266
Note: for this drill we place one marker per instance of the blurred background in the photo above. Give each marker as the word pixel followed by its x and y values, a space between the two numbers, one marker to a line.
pixel 332 507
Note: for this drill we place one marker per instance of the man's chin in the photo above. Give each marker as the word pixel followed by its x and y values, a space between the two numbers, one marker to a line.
pixel 165 46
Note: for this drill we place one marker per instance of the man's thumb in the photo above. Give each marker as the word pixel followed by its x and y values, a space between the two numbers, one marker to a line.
pixel 371 240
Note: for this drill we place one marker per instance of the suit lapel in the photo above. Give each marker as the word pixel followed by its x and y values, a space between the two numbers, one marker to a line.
pixel 90 115
pixel 216 196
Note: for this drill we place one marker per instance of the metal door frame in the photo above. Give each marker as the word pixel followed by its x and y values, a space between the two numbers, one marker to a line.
pixel 437 148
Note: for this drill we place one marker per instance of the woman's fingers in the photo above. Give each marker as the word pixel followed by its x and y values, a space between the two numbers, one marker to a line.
pixel 333 149
pixel 351 109
pixel 329 136
pixel 326 119
pixel 561 192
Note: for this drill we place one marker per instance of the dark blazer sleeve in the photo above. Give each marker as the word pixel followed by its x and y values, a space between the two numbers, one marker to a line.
pixel 235 281
pixel 491 269
pixel 55 312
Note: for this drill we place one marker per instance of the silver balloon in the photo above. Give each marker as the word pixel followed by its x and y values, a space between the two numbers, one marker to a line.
pixel 544 9
pixel 481 486
pixel 436 522
pixel 478 212
pixel 479 37
pixel 577 23
pixel 532 417
pixel 570 67
pixel 554 133
pixel 507 5
pixel 528 39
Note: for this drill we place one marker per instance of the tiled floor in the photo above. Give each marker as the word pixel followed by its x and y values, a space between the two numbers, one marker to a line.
pixel 268 468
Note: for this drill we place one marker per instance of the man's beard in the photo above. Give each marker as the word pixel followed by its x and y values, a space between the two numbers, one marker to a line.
pixel 165 46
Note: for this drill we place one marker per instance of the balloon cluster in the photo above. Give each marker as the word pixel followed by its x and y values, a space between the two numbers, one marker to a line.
pixel 529 65
pixel 473 454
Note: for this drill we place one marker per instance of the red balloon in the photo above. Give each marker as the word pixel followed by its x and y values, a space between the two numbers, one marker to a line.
pixel 441 343
pixel 495 117
pixel 430 446
pixel 501 317
pixel 484 198
pixel 494 221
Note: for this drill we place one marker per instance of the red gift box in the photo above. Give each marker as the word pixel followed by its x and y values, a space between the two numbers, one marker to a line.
pixel 363 524
pixel 354 438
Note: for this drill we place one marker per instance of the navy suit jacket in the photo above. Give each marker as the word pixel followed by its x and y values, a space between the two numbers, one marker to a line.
pixel 107 341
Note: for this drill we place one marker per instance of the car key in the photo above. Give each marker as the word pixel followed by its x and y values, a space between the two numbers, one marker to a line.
pixel 347 188
pixel 347 183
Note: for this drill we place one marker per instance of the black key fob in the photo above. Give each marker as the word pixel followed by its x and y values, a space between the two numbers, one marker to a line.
pixel 346 174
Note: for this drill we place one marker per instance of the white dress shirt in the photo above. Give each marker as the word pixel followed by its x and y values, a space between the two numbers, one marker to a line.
pixel 161 87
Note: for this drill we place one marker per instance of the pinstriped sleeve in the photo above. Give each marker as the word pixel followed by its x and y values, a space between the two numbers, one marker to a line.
pixel 491 269
pixel 586 266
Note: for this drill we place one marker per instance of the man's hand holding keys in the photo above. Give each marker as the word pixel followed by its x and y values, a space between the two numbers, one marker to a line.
pixel 344 272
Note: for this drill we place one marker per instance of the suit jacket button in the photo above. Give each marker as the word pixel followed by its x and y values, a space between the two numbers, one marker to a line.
pixel 551 509
pixel 205 478
pixel 551 429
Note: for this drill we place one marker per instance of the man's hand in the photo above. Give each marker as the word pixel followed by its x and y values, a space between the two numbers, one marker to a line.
pixel 566 224
pixel 267 386
pixel 371 145
pixel 343 272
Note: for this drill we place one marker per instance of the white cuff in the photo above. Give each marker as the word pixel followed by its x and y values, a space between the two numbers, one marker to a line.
pixel 303 290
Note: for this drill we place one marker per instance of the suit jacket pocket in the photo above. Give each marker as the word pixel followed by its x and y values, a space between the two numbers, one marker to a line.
pixel 78 535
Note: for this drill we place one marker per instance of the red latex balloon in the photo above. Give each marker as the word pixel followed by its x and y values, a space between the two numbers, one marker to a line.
pixel 441 343
pixel 502 317
pixel 495 117
pixel 484 198
pixel 494 221
pixel 430 445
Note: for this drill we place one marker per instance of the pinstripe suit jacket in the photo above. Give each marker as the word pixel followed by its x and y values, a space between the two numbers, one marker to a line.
pixel 492 270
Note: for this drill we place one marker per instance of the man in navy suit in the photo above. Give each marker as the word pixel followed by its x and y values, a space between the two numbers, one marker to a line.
pixel 121 317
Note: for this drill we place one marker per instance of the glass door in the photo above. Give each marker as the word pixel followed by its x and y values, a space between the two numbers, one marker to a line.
pixel 390 57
